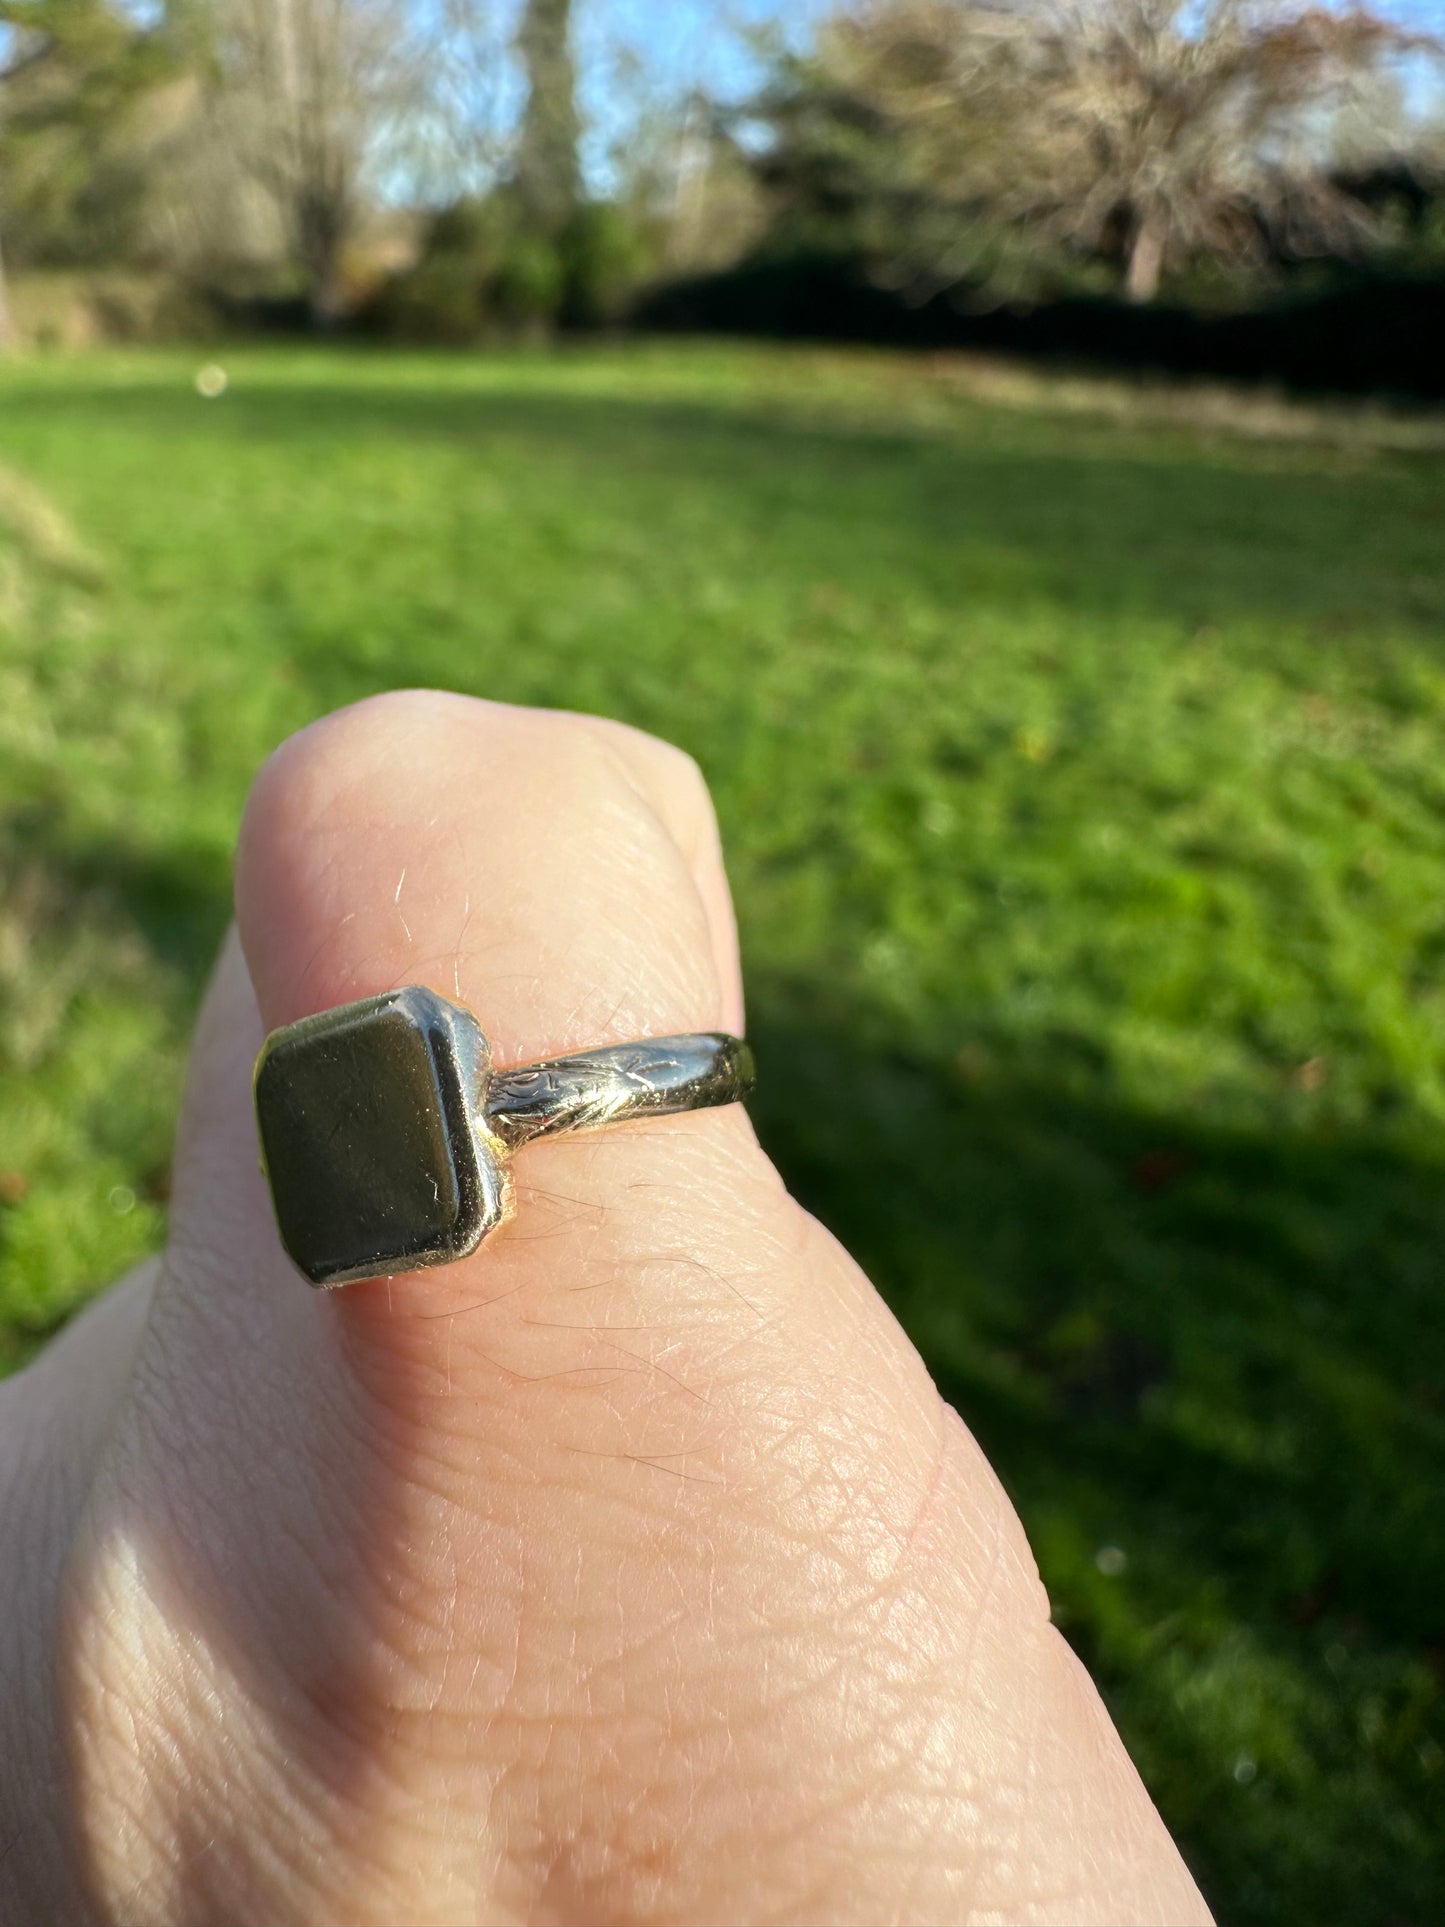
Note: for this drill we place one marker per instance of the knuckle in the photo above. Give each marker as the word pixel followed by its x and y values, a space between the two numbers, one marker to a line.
pixel 381 745
pixel 670 781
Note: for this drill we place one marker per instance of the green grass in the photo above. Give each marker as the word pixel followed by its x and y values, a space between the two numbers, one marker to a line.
pixel 1084 785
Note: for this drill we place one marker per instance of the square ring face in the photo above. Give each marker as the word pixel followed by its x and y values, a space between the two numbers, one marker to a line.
pixel 367 1137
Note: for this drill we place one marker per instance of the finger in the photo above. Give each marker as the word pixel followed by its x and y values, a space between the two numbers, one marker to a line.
pixel 54 1420
pixel 632 1559
pixel 661 1314
pixel 561 877
pixel 565 868
pixel 671 783
pixel 529 865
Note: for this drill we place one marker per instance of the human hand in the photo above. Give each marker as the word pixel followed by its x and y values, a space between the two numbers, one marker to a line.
pixel 629 1570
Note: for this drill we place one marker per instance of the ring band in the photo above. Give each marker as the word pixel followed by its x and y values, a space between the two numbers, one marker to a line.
pixel 616 1082
pixel 386 1135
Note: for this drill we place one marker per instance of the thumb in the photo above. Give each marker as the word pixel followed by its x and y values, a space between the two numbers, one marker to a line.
pixel 627 1568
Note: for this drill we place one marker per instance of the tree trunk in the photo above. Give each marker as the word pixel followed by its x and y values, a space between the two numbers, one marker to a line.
pixel 322 221
pixel 1146 257
pixel 7 323
pixel 548 178
pixel 326 293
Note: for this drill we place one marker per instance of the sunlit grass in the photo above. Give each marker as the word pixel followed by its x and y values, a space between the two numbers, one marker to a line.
pixel 1081 770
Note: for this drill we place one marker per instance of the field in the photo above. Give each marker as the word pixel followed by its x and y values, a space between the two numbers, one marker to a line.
pixel 1081 759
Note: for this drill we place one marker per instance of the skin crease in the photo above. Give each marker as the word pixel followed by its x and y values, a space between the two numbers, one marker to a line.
pixel 630 1570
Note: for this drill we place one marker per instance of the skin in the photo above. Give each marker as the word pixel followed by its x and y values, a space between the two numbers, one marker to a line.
pixel 630 1570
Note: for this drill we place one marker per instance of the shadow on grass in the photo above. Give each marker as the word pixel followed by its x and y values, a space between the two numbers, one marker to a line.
pixel 176 900
pixel 1215 1354
pixel 1080 1274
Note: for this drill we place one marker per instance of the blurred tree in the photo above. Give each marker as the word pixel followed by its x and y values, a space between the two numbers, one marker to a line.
pixel 305 92
pixel 888 138
pixel 707 194
pixel 1175 132
pixel 548 174
pixel 76 147
pixel 1147 134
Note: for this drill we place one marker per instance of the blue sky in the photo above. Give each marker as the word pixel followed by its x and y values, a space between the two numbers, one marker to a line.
pixel 691 41
pixel 680 45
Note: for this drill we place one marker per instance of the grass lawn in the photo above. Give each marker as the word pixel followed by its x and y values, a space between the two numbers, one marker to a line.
pixel 1083 777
